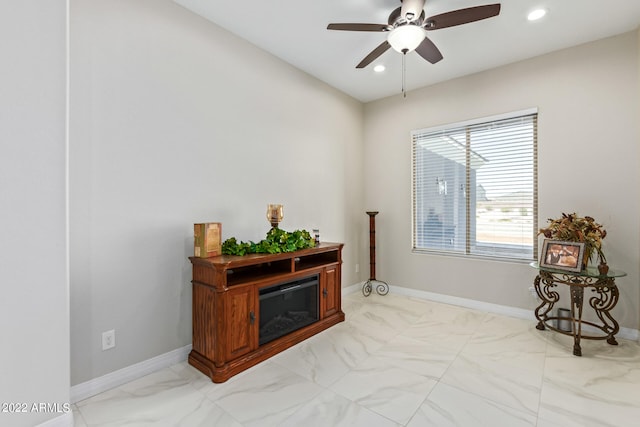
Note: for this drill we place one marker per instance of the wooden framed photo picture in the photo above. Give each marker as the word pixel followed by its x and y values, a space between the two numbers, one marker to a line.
pixel 562 255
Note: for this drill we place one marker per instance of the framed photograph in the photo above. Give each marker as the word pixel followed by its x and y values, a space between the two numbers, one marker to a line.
pixel 561 255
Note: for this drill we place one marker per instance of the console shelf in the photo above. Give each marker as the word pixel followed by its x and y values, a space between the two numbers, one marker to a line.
pixel 226 306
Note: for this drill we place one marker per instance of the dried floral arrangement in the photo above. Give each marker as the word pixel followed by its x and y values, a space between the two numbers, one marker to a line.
pixel 573 228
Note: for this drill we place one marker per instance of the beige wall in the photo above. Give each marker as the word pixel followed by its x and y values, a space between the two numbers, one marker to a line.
pixel 176 121
pixel 34 306
pixel 587 98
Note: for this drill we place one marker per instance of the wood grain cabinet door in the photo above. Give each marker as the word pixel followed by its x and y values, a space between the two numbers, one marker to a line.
pixel 330 301
pixel 241 321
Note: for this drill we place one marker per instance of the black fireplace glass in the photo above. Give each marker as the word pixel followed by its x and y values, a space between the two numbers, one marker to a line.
pixel 286 307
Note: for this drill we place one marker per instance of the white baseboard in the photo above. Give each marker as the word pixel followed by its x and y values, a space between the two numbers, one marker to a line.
pixel 64 420
pixel 520 313
pixel 352 289
pixel 488 307
pixel 629 334
pixel 114 379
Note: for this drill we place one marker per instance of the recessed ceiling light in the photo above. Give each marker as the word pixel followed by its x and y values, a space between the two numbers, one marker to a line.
pixel 536 14
pixel 379 68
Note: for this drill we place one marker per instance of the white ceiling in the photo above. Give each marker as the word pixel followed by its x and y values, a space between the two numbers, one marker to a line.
pixel 295 31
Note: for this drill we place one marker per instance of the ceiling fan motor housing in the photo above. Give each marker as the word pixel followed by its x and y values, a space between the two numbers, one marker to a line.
pixel 412 9
pixel 396 19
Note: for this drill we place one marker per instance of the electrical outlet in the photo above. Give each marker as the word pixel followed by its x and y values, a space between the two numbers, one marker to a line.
pixel 357 268
pixel 108 339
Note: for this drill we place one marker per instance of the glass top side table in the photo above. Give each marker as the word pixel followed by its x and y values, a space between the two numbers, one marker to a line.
pixel 604 299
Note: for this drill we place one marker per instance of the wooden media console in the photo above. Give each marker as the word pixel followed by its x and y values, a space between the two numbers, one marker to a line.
pixel 229 292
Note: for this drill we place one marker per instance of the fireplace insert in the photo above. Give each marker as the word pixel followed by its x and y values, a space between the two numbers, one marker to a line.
pixel 286 307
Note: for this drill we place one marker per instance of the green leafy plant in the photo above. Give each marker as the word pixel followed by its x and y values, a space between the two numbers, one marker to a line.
pixel 572 228
pixel 277 241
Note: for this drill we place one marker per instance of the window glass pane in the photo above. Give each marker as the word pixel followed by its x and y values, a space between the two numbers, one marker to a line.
pixel 474 188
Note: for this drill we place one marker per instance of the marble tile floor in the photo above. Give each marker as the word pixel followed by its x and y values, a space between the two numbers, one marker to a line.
pixel 397 361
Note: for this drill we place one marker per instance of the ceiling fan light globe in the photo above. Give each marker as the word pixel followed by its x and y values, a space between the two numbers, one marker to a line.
pixel 406 38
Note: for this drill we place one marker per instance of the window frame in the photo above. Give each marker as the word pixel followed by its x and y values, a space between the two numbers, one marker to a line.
pixel 467 253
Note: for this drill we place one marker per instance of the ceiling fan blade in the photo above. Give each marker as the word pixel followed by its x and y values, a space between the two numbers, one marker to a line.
pixel 358 27
pixel 461 16
pixel 375 53
pixel 429 51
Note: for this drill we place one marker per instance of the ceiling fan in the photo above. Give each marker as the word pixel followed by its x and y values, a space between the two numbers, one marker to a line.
pixel 407 28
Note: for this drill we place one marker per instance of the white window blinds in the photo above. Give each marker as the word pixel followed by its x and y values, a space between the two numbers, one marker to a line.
pixel 475 187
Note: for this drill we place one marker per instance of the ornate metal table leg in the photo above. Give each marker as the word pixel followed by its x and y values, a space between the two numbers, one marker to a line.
pixel 548 296
pixel 605 299
pixel 577 296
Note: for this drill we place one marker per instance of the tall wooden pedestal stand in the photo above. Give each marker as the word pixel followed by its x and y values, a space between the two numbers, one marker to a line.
pixel 382 288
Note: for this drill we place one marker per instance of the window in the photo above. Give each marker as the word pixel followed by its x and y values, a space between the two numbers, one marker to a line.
pixel 475 187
